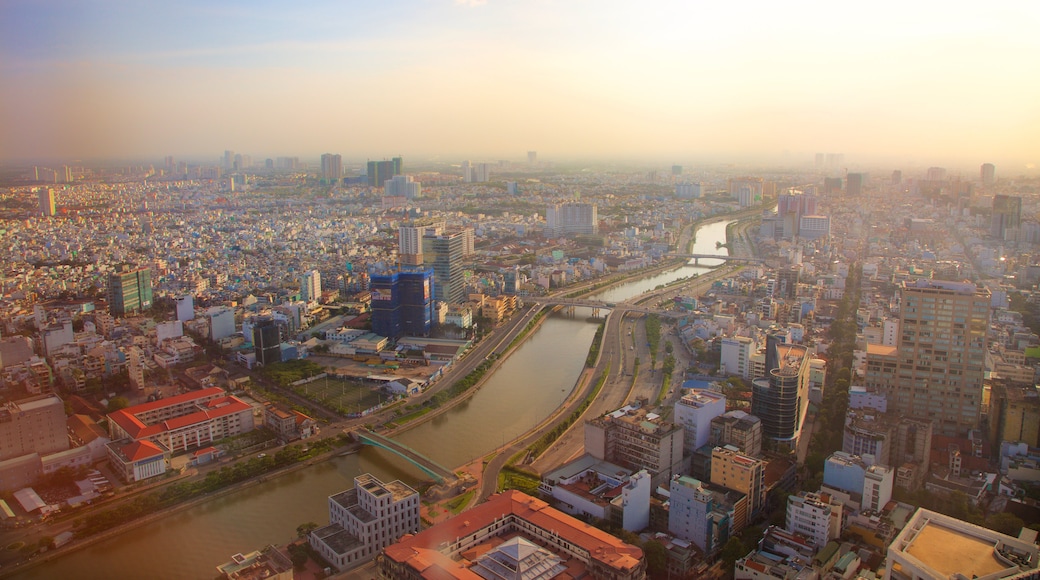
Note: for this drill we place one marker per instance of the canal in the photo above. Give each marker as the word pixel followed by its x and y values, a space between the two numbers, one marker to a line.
pixel 532 382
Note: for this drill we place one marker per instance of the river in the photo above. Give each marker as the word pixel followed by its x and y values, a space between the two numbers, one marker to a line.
pixel 532 382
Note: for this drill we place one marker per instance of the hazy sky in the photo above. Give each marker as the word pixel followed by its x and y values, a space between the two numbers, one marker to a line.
pixel 907 80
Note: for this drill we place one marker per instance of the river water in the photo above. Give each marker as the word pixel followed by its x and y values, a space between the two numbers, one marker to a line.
pixel 532 382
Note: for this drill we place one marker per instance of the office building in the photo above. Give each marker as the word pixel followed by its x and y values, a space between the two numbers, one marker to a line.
pixel 787 282
pixel 988 174
pixel 870 433
pixel 402 303
pixel 1006 217
pixel 532 157
pixel 267 342
pixel 936 370
pixel 933 545
pixel 781 398
pixel 129 291
pixel 1014 413
pixel 897 177
pixel 854 184
pixel 637 439
pixel 402 186
pixel 512 535
pixel 878 482
pixel 444 253
pixel 935 174
pixel 364 520
pixel 331 167
pixel 694 412
pixel 380 171
pixel 221 323
pixel 229 160
pixel 563 219
pixel 310 286
pixel 737 429
pixel 814 227
pixel 817 516
pixel 181 422
pixel 734 470
pixel 48 205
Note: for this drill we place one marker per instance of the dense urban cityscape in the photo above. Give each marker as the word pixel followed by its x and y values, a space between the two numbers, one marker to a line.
pixel 580 370
pixel 519 290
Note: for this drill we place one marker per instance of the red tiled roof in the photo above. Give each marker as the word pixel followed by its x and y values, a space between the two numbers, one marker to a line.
pixel 601 546
pixel 220 407
pixel 139 450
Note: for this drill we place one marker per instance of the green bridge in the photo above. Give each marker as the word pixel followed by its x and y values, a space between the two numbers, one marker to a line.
pixel 435 470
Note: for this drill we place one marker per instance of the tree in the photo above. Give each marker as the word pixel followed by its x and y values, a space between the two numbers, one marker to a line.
pixel 305 529
pixel 1005 523
pixel 656 558
pixel 733 551
pixel 117 403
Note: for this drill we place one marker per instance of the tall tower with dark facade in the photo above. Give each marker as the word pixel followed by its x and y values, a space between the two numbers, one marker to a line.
pixel 129 291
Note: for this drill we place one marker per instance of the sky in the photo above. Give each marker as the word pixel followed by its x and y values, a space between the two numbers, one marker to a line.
pixel 919 81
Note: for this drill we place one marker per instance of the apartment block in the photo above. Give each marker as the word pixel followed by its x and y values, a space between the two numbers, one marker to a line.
pixel 637 439
pixel 817 516
pixel 734 470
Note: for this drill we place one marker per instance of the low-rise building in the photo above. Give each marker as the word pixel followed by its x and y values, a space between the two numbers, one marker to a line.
pixel 366 519
pixel 268 564
pixel 138 460
pixel 509 532
pixel 194 419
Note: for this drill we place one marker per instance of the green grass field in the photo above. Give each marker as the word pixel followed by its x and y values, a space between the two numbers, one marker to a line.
pixel 335 393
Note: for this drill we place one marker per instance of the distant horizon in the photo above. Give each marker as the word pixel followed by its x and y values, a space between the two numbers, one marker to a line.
pixel 912 82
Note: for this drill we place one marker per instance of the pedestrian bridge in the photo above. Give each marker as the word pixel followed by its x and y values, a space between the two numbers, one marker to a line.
pixel 438 472
pixel 724 257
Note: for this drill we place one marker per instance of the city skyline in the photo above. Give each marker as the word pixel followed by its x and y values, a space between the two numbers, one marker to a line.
pixel 907 84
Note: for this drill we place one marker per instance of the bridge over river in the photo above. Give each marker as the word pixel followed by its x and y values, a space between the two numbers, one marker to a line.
pixel 430 467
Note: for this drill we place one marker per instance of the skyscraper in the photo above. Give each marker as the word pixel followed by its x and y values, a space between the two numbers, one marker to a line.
pixel 1006 217
pixel 310 286
pixel 129 291
pixel 444 253
pixel 988 174
pixel 379 171
pixel 854 184
pixel 935 372
pixel 532 157
pixel 267 342
pixel 331 167
pixel 404 186
pixel 402 303
pixel 781 398
pixel 410 239
pixel 48 205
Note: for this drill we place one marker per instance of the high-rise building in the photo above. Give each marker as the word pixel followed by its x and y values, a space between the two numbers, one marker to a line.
pixel 532 157
pixel 791 206
pixel 690 514
pixel 781 398
pixel 897 177
pixel 736 355
pixel 988 174
pixel 402 186
pixel 402 303
pixel 310 286
pixel 854 184
pixel 410 238
pixel 787 282
pixel 735 470
pixel 129 291
pixel 688 190
pixel 817 516
pixel 229 160
pixel 366 519
pixel 738 429
pixel 936 370
pixel 564 219
pixel 267 342
pixel 753 186
pixel 380 171
pixel 48 206
pixel 33 425
pixel 1006 217
pixel 935 174
pixel 331 167
pixel 694 412
pixel 185 308
pixel 444 252
pixel 636 439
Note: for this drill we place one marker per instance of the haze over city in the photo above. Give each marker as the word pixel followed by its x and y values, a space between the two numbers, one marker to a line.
pixel 907 82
